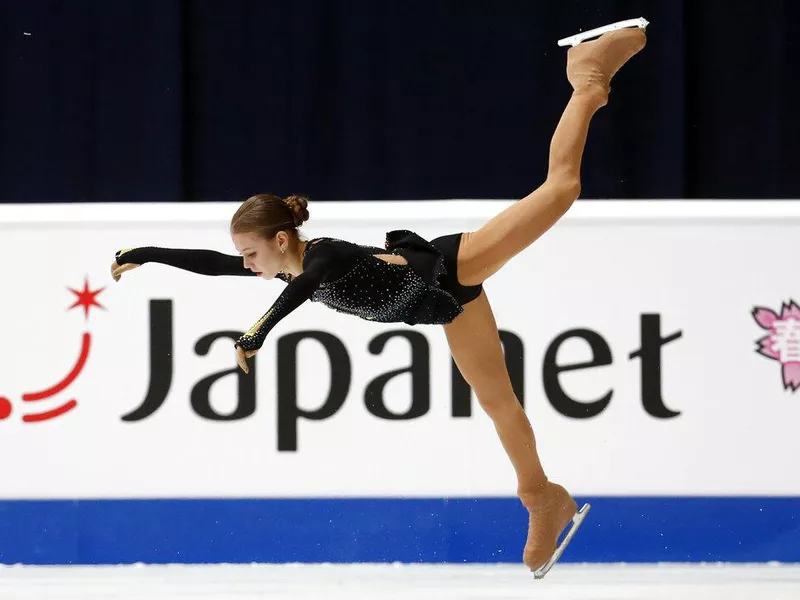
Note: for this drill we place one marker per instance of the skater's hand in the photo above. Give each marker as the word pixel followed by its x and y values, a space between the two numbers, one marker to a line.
pixel 117 270
pixel 241 357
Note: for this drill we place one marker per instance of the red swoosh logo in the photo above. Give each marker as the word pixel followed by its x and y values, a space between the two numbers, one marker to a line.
pixel 60 386
pixel 52 414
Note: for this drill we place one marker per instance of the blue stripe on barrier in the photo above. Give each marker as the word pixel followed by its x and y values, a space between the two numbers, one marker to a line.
pixel 618 529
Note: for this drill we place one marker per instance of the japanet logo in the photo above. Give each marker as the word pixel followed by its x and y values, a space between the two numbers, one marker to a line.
pixel 86 299
pixel 342 352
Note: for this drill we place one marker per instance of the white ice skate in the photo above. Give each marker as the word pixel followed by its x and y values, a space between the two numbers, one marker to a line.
pixel 576 39
pixel 576 522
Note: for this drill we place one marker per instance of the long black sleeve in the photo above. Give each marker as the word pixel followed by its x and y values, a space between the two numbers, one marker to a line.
pixel 203 262
pixel 299 289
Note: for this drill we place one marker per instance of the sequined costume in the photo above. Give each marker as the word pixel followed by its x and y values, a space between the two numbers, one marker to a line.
pixel 348 278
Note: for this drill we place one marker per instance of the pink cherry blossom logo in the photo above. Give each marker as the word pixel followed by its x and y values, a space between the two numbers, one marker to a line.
pixel 782 343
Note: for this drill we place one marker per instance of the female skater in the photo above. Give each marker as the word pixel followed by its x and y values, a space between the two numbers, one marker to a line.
pixel 415 281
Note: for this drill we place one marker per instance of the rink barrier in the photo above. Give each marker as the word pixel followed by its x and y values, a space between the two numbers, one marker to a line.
pixel 725 500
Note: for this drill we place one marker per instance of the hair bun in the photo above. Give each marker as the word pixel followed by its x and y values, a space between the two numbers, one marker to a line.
pixel 299 207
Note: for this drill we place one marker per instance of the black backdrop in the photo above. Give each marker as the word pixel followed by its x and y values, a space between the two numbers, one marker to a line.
pixel 161 100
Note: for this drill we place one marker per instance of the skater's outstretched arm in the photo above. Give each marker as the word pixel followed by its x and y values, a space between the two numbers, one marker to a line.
pixel 316 267
pixel 203 262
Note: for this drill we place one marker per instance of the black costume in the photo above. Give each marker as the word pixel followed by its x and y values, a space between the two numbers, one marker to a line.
pixel 348 278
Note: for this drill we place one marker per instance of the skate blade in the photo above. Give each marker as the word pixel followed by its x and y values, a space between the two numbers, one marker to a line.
pixel 576 522
pixel 576 39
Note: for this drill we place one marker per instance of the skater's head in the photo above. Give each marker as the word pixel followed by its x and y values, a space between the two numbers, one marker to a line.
pixel 264 231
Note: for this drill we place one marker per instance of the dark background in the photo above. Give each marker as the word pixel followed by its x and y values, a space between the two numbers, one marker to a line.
pixel 162 100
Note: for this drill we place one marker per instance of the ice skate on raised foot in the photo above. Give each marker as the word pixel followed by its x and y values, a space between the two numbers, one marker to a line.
pixel 576 39
pixel 550 512
pixel 593 64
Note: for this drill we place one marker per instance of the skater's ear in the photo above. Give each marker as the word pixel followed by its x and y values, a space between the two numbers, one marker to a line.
pixel 284 240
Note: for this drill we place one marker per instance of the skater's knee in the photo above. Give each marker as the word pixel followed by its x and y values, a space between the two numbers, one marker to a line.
pixel 499 404
pixel 564 188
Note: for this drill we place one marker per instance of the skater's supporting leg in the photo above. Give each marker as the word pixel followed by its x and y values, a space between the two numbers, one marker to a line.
pixel 590 68
pixel 475 345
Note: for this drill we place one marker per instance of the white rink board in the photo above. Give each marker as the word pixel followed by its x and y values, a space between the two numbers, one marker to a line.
pixel 702 267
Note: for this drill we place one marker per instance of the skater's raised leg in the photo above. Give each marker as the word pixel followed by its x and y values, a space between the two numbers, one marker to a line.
pixel 590 67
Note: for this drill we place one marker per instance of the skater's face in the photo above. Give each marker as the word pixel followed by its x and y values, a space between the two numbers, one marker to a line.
pixel 262 256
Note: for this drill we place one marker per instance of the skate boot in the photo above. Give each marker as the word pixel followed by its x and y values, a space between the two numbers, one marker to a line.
pixel 550 512
pixel 593 64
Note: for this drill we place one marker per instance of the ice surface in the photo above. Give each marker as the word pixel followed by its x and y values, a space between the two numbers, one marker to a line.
pixel 418 582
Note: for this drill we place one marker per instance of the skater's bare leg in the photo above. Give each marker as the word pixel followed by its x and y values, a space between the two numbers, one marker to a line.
pixel 475 345
pixel 590 67
pixel 473 337
pixel 483 252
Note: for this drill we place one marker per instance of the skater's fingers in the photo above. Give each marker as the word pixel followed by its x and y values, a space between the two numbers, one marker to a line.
pixel 241 360
pixel 250 353
pixel 117 270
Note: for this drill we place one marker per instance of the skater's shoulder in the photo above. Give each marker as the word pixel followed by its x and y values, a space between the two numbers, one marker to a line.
pixel 326 250
pixel 324 247
pixel 335 248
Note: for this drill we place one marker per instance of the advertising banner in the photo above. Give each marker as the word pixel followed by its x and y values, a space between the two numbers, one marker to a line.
pixel 656 352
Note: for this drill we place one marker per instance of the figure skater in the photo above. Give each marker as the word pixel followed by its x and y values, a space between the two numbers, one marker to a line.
pixel 415 281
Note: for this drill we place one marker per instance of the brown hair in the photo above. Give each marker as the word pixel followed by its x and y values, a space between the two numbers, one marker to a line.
pixel 266 215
